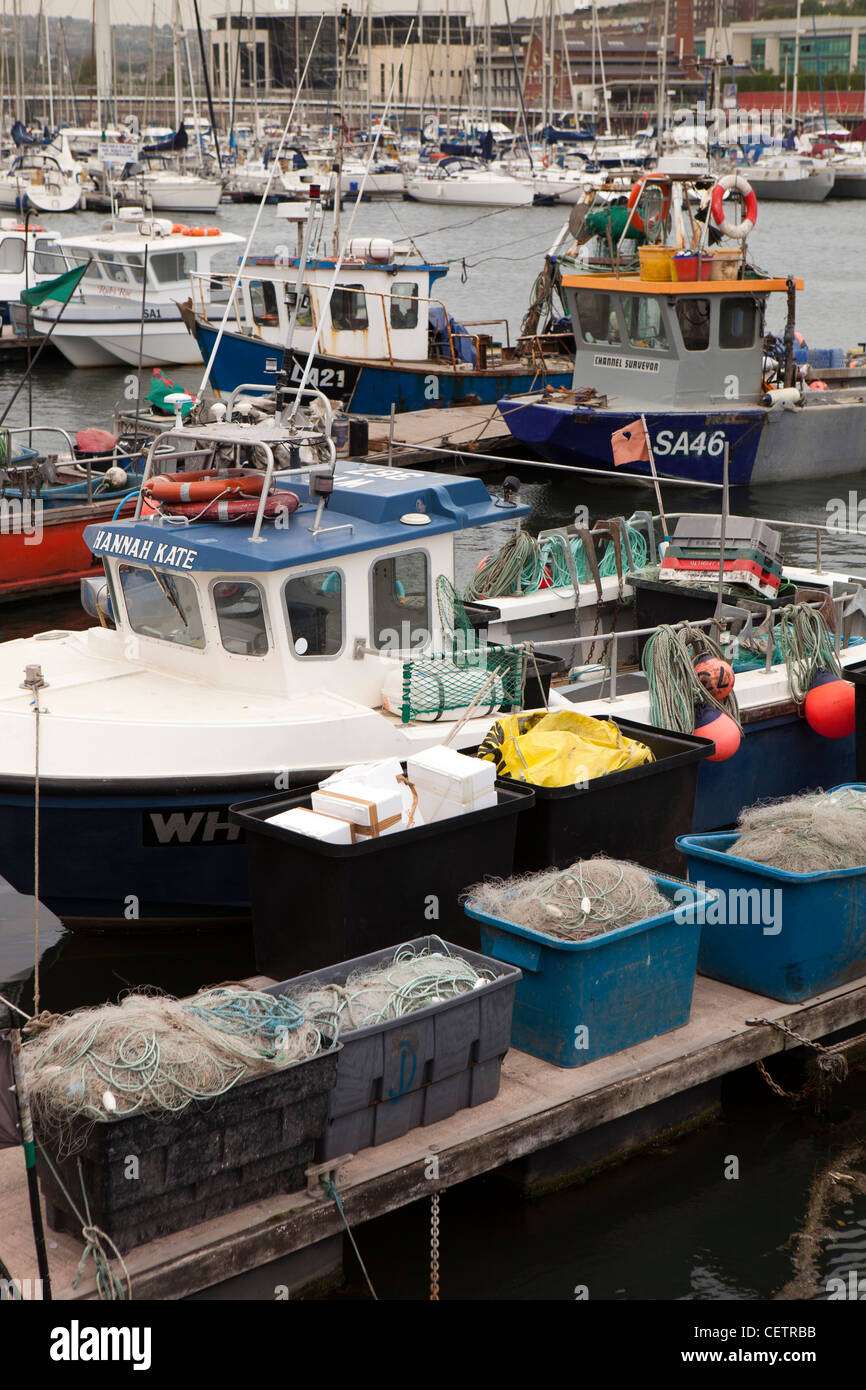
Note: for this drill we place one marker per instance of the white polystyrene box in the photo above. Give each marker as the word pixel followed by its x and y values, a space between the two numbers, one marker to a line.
pixel 369 808
pixel 306 822
pixel 453 775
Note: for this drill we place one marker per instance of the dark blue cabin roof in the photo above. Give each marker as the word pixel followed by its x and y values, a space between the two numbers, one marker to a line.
pixel 372 499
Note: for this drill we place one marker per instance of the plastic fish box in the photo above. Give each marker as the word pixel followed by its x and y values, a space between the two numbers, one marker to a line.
pixel 314 902
pixel 633 814
pixel 415 1070
pixel 578 1001
pixel 810 932
pixel 254 1141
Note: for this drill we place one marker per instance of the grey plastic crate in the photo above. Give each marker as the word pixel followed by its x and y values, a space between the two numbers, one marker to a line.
pixel 406 1072
pixel 254 1141
pixel 739 530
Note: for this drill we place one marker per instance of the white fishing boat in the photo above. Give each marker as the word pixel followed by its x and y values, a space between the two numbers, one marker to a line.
pixel 126 307
pixel 465 181
pixel 44 177
pixel 791 178
pixel 155 184
pixel 27 256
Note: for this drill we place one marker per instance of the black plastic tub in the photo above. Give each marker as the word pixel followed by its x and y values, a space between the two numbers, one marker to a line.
pixel 314 903
pixel 661 601
pixel 418 1069
pixel 856 672
pixel 254 1141
pixel 540 667
pixel 634 814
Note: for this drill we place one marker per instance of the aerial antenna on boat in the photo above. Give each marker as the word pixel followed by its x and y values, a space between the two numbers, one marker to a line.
pixel 275 164
pixel 314 347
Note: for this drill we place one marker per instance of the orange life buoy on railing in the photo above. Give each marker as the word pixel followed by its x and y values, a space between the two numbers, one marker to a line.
pixel 734 183
pixel 177 228
pixel 212 231
pixel 544 160
pixel 204 485
pixel 195 231
pixel 637 188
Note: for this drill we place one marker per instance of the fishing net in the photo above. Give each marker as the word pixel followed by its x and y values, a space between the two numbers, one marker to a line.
pixel 491 677
pixel 589 898
pixel 155 1054
pixel 806 834
pixel 411 980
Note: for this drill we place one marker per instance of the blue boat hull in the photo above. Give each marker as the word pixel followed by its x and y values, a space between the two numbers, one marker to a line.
pixel 139 859
pixel 366 388
pixel 686 444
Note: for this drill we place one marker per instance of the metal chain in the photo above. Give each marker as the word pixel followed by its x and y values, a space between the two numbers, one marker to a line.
pixel 434 1247
pixel 832 1066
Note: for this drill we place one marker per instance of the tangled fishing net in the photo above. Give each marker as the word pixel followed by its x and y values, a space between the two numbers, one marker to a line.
pixel 589 898
pixel 411 980
pixel 156 1054
pixel 806 834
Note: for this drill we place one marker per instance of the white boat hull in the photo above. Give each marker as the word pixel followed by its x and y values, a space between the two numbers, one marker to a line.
pixel 110 344
pixel 44 198
pixel 811 188
pixel 469 193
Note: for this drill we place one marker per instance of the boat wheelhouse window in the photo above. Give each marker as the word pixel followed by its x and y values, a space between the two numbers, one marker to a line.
pixel 241 617
pixel 693 317
pixel 162 605
pixel 93 272
pixel 47 259
pixel 400 604
pixel 349 309
pixel 170 266
pixel 314 608
pixel 643 320
pixel 596 315
pixel 115 270
pixel 11 255
pixel 305 311
pixel 263 301
pixel 737 322
pixel 404 304
pixel 135 261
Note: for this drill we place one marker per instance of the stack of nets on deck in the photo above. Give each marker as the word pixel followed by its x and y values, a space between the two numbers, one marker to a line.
pixel 806 834
pixel 156 1054
pixel 589 898
pixel 410 980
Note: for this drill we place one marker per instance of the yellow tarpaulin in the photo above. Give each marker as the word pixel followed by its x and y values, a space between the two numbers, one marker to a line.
pixel 559 749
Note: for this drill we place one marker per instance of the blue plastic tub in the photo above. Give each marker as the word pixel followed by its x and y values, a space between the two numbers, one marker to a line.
pixel 806 934
pixel 581 1000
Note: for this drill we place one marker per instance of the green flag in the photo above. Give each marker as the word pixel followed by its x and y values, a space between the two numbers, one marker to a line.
pixel 62 288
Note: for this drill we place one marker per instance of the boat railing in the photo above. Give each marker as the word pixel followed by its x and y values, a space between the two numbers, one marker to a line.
pixel 535 345
pixel 745 631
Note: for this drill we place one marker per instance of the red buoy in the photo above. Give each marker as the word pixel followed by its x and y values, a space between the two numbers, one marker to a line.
pixel 715 675
pixel 829 706
pixel 722 729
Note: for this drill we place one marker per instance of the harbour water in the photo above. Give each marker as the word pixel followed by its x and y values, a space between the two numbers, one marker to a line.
pixel 668 1224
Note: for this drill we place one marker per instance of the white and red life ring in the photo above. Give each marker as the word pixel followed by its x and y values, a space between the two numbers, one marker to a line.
pixel 734 183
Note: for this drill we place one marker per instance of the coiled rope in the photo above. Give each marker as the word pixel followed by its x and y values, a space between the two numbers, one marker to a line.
pixel 807 646
pixel 674 689
pixel 528 564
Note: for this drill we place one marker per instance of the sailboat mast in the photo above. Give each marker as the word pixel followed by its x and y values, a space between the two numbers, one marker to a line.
pixel 663 77
pixel 178 59
pixel 796 64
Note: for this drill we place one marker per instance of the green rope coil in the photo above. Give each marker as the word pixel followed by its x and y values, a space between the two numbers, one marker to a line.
pixel 674 689
pixel 807 647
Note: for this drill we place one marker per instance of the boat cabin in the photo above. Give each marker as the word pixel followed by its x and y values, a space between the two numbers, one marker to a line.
pixel 309 604
pixel 380 309
pixel 666 343
pixel 117 255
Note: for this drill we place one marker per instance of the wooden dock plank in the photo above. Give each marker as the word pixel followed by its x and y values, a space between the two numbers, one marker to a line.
pixel 538 1105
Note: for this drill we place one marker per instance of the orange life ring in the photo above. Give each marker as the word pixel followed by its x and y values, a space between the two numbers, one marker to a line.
pixel 637 189
pixel 212 231
pixel 277 502
pixel 178 228
pixel 734 183
pixel 195 231
pixel 204 485
pixel 544 160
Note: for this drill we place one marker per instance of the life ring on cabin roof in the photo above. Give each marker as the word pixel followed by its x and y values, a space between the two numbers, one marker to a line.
pixel 637 189
pixel 204 485
pixel 734 183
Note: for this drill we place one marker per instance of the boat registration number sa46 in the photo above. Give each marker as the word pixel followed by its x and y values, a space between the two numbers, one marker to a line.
pixel 668 442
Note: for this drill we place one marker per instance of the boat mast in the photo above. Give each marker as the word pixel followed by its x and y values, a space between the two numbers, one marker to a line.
pixel 254 75
pixel 343 33
pixel 796 64
pixel 178 92
pixel 601 70
pixel 663 78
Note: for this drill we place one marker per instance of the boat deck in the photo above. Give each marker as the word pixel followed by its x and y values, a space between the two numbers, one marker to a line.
pixel 538 1106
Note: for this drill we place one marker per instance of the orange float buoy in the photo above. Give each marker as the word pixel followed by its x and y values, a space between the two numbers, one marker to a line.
pixel 721 729
pixel 829 706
